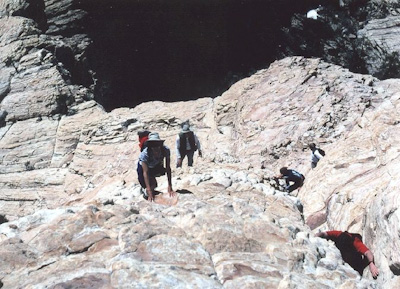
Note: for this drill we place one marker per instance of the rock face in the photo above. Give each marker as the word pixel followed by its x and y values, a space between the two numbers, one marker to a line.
pixel 383 60
pixel 357 34
pixel 129 52
pixel 70 205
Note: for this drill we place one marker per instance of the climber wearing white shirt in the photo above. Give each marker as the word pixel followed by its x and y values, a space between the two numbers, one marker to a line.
pixel 316 154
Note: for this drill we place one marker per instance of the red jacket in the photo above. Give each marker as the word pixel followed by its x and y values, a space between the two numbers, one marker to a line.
pixel 357 243
pixel 352 252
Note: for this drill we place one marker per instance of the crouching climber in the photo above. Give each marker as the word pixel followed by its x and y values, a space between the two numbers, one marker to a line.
pixel 151 165
pixel 293 179
pixel 353 250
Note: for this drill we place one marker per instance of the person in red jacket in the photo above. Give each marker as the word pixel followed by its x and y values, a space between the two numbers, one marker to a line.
pixel 353 250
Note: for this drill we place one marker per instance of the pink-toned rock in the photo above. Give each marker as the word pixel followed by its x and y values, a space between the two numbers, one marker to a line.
pixel 71 204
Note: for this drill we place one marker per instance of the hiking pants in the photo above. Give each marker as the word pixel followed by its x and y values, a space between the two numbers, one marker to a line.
pixel 313 165
pixel 296 185
pixel 189 155
pixel 153 181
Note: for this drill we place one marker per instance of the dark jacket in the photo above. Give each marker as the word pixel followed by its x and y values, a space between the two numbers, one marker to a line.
pixel 183 138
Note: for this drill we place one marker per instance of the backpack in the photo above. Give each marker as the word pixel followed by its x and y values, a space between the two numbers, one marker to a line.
pixel 143 136
pixel 299 175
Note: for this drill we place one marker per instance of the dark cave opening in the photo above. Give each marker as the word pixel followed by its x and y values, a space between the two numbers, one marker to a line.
pixel 179 50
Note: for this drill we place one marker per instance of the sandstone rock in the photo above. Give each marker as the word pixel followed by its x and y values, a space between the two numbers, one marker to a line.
pixel 71 204
pixel 381 30
pixel 28 145
pixel 381 33
pixel 153 252
pixel 227 229
pixel 223 218
pixel 30 93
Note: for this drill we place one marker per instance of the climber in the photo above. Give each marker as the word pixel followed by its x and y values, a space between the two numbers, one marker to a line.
pixel 291 176
pixel 316 154
pixel 186 144
pixel 313 13
pixel 150 165
pixel 353 250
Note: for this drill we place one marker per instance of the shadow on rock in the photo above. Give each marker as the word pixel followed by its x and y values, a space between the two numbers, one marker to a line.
pixel 155 194
pixel 184 192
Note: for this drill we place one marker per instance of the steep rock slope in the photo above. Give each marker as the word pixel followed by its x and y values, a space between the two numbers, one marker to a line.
pixel 230 228
pixel 70 206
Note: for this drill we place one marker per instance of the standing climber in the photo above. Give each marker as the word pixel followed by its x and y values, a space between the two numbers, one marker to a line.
pixel 353 250
pixel 186 144
pixel 316 154
pixel 151 165
pixel 291 176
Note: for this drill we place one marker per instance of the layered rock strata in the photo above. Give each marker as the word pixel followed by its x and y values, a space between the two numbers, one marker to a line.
pixel 70 205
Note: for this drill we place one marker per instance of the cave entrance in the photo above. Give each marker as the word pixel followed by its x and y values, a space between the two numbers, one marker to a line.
pixel 180 49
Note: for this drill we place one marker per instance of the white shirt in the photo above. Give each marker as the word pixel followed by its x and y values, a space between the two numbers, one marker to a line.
pixel 316 156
